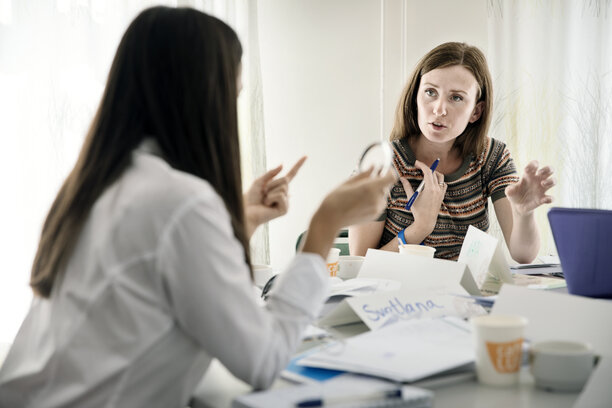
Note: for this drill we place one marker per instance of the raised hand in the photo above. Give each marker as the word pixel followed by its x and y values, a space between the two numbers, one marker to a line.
pixel 267 198
pixel 530 192
pixel 359 199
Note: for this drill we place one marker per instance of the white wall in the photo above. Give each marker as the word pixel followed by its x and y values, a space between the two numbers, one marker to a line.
pixel 329 90
pixel 320 68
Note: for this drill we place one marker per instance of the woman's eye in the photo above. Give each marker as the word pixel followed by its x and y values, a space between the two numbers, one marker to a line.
pixel 457 98
pixel 430 92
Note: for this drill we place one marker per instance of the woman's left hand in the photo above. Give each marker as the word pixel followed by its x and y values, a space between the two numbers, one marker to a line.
pixel 530 192
pixel 267 198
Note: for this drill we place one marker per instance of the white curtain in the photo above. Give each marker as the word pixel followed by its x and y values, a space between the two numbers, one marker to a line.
pixel 551 62
pixel 54 59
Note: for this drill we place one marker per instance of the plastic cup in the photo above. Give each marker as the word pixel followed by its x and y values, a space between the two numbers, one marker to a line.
pixel 332 261
pixel 499 343
pixel 420 250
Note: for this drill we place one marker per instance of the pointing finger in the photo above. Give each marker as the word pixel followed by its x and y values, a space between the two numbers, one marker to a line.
pixel 296 167
pixel 270 174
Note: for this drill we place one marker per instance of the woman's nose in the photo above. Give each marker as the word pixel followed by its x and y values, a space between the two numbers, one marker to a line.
pixel 440 108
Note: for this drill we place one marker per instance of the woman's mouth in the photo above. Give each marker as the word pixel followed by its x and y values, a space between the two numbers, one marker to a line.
pixel 437 125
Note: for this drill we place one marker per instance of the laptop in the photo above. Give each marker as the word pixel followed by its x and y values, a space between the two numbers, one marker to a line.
pixel 584 243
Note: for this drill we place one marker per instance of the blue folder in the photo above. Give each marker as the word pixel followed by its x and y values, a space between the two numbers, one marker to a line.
pixel 584 243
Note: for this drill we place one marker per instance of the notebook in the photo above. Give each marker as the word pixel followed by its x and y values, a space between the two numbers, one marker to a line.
pixel 341 392
pixel 582 238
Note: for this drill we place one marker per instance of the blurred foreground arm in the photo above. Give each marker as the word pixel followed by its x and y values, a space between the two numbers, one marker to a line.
pixel 360 198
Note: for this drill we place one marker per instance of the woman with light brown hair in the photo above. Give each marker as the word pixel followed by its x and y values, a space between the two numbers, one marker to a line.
pixel 141 276
pixel 444 113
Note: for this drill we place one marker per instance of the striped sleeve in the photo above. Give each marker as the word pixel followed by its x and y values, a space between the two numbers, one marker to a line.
pixel 503 171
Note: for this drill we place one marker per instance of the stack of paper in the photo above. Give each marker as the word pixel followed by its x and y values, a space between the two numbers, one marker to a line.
pixel 342 392
pixel 537 269
pixel 405 352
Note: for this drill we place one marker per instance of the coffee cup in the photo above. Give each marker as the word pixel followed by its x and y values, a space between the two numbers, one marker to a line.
pixel 498 341
pixel 561 365
pixel 420 250
pixel 348 266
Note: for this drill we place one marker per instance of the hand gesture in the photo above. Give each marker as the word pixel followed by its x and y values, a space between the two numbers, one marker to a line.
pixel 267 198
pixel 530 192
pixel 427 205
pixel 361 198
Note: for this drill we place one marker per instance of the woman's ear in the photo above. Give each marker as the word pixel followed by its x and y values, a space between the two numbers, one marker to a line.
pixel 477 112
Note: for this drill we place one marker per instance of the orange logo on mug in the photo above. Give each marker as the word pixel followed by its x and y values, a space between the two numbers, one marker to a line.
pixel 333 268
pixel 505 357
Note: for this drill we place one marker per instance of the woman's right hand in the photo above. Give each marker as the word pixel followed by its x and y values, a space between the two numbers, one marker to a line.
pixel 427 205
pixel 361 198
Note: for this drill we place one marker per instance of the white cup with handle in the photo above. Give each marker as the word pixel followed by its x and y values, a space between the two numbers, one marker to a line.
pixel 561 365
pixel 349 265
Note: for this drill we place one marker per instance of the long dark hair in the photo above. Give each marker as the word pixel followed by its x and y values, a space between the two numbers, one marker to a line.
pixel 473 140
pixel 173 78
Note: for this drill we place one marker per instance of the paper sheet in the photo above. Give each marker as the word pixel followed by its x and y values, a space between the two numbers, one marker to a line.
pixel 558 316
pixel 407 351
pixel 418 273
pixel 596 392
pixel 340 387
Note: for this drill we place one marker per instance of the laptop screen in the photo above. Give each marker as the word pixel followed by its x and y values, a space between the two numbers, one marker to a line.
pixel 583 238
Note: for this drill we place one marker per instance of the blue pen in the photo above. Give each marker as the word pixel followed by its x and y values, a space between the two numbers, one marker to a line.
pixel 375 396
pixel 420 187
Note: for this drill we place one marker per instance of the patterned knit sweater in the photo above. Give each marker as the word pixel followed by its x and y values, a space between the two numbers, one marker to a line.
pixel 465 202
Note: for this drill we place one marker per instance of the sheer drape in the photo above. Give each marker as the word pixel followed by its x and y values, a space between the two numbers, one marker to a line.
pixel 54 59
pixel 552 67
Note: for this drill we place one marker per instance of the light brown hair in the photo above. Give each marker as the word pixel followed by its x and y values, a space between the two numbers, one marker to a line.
pixel 473 140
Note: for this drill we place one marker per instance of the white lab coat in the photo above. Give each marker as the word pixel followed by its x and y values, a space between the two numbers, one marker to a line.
pixel 156 287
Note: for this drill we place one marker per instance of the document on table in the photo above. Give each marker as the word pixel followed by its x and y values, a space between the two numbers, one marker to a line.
pixel 596 392
pixel 418 273
pixel 559 316
pixel 362 286
pixel 406 351
pixel 345 391
pixel 537 269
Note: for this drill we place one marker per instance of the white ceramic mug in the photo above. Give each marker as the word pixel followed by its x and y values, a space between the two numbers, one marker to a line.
pixel 498 341
pixel 348 266
pixel 420 250
pixel 561 365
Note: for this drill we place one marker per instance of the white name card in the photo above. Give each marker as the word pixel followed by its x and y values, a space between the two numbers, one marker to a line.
pixel 418 273
pixel 384 308
pixel 483 255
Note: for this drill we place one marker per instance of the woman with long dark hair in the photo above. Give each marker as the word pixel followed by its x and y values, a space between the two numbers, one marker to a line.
pixel 142 271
